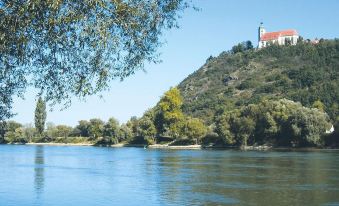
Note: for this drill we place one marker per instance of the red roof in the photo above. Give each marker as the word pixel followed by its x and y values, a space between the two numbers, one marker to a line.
pixel 275 35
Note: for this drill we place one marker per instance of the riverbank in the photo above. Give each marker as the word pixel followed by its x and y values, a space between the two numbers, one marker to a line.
pixel 156 146
pixel 61 144
pixel 182 147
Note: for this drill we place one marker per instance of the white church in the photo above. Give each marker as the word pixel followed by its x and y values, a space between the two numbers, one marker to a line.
pixel 277 37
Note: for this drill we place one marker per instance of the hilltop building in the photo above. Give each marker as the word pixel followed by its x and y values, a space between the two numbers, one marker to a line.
pixel 289 36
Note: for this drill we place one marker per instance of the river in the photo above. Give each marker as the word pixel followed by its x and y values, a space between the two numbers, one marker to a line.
pixel 84 176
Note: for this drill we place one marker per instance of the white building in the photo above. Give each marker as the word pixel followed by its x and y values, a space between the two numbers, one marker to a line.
pixel 279 37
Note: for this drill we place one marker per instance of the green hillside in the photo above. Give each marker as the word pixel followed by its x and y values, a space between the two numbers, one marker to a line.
pixel 304 73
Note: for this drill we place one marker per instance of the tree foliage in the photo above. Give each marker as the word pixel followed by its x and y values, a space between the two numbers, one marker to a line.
pixel 40 116
pixel 146 126
pixel 76 47
pixel 281 123
pixel 194 129
pixel 169 117
pixel 96 128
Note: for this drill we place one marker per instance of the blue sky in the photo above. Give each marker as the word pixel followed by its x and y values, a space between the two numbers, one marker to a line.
pixel 215 28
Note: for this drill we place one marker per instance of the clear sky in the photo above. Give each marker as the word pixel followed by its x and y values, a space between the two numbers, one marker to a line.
pixel 217 27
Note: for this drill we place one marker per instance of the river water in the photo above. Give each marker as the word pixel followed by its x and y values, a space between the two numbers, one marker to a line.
pixel 83 176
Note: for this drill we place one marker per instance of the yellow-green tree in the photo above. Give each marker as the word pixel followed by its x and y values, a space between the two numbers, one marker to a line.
pixel 194 129
pixel 169 118
pixel 319 105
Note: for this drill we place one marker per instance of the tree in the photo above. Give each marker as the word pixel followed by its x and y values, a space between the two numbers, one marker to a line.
pixel 319 105
pixel 76 47
pixel 112 129
pixel 29 132
pixel 147 128
pixel 96 128
pixel 40 116
pixel 224 122
pixel 169 117
pixel 243 128
pixel 51 130
pixel 194 128
pixel 133 125
pixel 13 132
pixel 63 130
pixel 241 47
pixel 83 127
pixel 249 45
pixel 16 136
pixel 281 122
pixel 3 129
pixel 125 133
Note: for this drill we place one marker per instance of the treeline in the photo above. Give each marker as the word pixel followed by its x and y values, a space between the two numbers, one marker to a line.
pixel 271 122
pixel 279 123
pixel 240 98
pixel 93 131
pixel 165 122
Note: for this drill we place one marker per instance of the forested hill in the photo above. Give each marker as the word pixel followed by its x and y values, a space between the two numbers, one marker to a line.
pixel 304 73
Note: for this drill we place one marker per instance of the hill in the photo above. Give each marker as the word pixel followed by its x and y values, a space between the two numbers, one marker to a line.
pixel 304 73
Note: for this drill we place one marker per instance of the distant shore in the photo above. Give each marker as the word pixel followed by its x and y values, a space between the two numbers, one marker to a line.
pixel 183 147
pixel 156 146
pixel 60 144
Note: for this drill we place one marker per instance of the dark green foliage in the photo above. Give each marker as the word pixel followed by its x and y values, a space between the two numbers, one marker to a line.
pixel 3 129
pixel 241 47
pixel 147 128
pixel 303 73
pixel 83 128
pixel 40 116
pixel 280 123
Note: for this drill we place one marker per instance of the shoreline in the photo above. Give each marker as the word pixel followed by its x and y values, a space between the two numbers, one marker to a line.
pixel 181 147
pixel 60 144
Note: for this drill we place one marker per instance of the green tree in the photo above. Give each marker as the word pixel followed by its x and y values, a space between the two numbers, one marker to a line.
pixel 3 129
pixel 112 129
pixel 13 132
pixel 96 128
pixel 147 128
pixel 133 125
pixel 51 130
pixel 63 131
pixel 224 124
pixel 76 47
pixel 281 122
pixel 194 129
pixel 16 136
pixel 169 118
pixel 125 133
pixel 40 116
pixel 83 127
pixel 29 132
pixel 319 105
pixel 243 129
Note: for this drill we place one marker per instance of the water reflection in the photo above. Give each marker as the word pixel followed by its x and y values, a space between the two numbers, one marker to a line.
pixel 39 178
pixel 89 176
pixel 243 178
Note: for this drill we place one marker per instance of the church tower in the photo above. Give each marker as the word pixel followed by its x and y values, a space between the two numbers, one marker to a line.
pixel 261 31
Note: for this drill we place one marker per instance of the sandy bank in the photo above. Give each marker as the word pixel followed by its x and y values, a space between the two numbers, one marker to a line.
pixel 159 146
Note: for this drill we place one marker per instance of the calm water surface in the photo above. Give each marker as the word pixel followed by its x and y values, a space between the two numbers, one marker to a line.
pixel 81 176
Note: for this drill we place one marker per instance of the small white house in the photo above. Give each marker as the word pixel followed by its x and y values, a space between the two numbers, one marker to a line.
pixel 277 37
